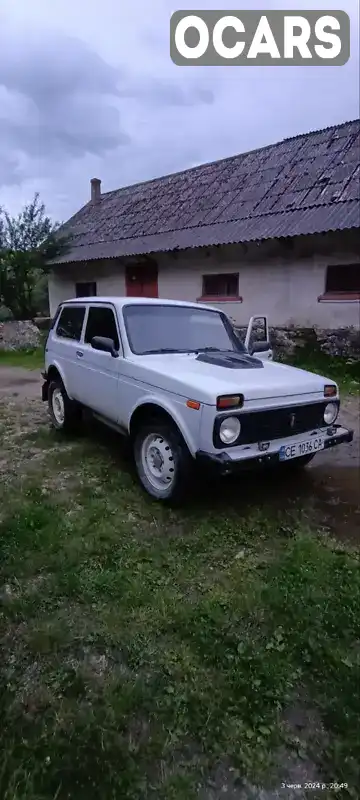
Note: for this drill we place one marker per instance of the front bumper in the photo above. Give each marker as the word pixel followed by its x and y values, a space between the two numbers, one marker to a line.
pixel 225 463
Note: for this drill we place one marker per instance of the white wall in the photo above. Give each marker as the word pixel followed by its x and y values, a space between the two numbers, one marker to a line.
pixel 109 276
pixel 286 287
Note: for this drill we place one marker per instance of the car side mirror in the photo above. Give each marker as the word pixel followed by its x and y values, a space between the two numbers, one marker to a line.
pixel 105 345
pixel 260 347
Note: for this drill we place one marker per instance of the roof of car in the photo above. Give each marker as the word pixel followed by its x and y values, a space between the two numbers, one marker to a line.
pixel 122 301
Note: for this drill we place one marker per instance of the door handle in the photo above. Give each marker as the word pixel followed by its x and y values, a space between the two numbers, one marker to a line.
pixel 79 354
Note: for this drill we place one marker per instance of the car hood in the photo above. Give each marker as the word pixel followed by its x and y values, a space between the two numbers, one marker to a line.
pixel 203 381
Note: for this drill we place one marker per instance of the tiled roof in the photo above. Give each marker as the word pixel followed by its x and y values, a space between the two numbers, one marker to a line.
pixel 307 184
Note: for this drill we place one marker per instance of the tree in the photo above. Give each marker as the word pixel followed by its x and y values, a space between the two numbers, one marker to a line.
pixel 27 243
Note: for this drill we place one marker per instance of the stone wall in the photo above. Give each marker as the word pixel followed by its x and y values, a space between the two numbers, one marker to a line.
pixel 342 342
pixel 19 336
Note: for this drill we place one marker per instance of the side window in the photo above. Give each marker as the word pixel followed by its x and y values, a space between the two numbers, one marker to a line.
pixel 101 322
pixel 70 322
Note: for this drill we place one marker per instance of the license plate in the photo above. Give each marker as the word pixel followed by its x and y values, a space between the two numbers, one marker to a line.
pixel 289 451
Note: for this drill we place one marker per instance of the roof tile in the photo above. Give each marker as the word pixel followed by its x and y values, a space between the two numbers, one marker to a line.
pixel 303 185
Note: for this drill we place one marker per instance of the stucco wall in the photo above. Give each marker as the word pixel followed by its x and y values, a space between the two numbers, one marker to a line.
pixel 286 289
pixel 109 276
pixel 283 284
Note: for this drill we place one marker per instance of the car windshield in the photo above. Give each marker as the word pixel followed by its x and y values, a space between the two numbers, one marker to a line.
pixel 174 329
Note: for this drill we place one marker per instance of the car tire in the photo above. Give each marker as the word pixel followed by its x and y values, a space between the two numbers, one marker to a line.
pixel 163 462
pixel 65 414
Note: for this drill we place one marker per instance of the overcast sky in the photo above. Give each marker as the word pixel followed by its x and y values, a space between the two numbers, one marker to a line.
pixel 87 89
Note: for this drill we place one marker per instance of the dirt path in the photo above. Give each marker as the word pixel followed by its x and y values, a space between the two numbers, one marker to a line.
pixel 16 382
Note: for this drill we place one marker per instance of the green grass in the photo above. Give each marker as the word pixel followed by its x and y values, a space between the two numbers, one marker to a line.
pixel 141 648
pixel 29 359
pixel 346 372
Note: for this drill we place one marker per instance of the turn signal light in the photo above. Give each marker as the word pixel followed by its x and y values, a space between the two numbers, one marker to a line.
pixel 230 401
pixel 193 404
pixel 330 391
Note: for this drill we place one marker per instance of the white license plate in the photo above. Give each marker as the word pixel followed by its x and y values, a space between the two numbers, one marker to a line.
pixel 289 451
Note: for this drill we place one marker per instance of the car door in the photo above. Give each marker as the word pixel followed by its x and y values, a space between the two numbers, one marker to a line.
pixel 99 371
pixel 63 345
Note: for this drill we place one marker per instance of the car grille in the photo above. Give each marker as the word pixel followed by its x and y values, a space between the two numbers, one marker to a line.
pixel 276 423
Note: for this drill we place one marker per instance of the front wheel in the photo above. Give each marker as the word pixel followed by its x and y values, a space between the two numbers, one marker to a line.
pixel 65 414
pixel 163 462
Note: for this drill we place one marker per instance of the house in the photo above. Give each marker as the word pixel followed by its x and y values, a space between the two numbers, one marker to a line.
pixel 273 231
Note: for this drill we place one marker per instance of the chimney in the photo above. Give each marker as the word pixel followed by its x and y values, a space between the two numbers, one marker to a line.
pixel 95 190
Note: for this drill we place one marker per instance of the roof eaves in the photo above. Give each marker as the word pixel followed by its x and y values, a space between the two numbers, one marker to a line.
pixel 323 219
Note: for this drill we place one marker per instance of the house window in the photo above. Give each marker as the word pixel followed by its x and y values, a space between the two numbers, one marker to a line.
pixel 101 322
pixel 342 282
pixel 223 286
pixel 86 289
pixel 71 322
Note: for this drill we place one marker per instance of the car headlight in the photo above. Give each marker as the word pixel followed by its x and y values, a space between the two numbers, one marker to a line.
pixel 229 430
pixel 330 413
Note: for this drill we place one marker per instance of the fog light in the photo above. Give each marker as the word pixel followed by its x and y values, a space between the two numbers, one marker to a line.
pixel 330 413
pixel 229 430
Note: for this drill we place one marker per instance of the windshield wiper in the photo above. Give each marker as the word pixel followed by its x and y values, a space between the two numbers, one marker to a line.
pixel 213 350
pixel 164 350
pixel 161 350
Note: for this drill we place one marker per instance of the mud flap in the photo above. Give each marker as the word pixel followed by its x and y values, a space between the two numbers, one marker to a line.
pixel 45 390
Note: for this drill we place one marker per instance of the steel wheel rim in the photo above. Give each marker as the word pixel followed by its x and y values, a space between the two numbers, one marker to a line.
pixel 58 406
pixel 157 460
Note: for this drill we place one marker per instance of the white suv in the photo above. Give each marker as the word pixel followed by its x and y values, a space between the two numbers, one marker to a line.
pixel 175 378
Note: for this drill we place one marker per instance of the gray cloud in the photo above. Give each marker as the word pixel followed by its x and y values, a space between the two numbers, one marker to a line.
pixel 69 92
pixel 76 101
pixel 89 89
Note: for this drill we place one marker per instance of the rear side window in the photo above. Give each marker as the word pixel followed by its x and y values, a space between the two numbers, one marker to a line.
pixel 101 322
pixel 71 322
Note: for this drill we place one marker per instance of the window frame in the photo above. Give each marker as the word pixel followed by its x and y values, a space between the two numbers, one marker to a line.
pixel 85 283
pixel 112 308
pixel 339 295
pixel 62 308
pixel 223 298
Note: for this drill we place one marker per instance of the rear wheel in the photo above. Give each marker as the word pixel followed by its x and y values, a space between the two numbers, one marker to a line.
pixel 163 462
pixel 65 414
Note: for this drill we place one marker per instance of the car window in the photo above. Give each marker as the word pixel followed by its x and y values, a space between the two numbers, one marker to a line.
pixel 101 322
pixel 70 322
pixel 177 328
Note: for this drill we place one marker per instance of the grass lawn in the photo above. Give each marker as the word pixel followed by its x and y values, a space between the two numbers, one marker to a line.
pixel 29 359
pixel 148 653
pixel 345 372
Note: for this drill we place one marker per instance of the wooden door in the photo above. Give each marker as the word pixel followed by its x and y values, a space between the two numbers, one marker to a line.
pixel 142 281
